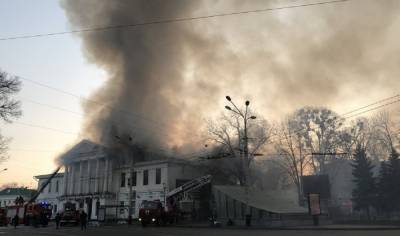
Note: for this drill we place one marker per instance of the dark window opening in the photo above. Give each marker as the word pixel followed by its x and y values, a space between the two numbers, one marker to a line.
pixel 158 176
pixel 134 178
pixel 123 179
pixel 145 177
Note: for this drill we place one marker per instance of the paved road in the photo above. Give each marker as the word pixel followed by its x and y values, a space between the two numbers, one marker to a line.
pixel 171 231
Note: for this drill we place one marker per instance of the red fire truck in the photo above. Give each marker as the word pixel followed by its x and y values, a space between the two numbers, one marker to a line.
pixel 3 217
pixel 70 215
pixel 155 212
pixel 38 213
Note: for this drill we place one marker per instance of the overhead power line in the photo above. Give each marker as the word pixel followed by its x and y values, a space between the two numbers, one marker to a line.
pixel 372 104
pixel 129 113
pixel 372 109
pixel 44 127
pixel 52 107
pixel 136 116
pixel 357 114
pixel 30 150
pixel 167 21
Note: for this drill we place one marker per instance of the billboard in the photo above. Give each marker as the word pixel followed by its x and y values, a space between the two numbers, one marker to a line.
pixel 316 184
pixel 314 206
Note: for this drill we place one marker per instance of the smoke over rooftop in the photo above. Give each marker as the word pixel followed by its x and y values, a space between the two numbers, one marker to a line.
pixel 165 79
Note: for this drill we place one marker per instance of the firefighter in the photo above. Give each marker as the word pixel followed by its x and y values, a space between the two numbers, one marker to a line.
pixel 58 220
pixel 83 219
pixel 15 221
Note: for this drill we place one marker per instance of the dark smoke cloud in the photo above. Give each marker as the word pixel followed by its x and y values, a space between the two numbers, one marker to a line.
pixel 168 78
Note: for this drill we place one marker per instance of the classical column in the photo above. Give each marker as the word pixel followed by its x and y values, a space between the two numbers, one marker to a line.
pixel 65 180
pixel 88 179
pixel 105 176
pixel 71 186
pixel 110 176
pixel 80 178
pixel 96 180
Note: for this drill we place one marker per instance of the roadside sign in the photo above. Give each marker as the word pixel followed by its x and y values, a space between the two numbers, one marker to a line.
pixel 314 206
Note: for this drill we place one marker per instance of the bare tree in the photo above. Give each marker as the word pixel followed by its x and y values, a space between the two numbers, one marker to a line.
pixel 319 128
pixel 384 132
pixel 9 107
pixel 227 132
pixel 293 152
pixel 358 133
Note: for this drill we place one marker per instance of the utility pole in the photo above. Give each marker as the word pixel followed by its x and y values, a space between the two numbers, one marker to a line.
pixel 131 171
pixel 130 193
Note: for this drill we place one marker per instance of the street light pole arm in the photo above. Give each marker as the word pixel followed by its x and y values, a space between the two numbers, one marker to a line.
pixel 237 109
pixel 237 113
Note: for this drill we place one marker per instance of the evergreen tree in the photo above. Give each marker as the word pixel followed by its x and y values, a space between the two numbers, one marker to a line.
pixel 364 193
pixel 394 181
pixel 384 188
pixel 389 184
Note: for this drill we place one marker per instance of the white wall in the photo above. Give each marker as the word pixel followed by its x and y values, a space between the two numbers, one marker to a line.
pixel 170 172
pixel 50 193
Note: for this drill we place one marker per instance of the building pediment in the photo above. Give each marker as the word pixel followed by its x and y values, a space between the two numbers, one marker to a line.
pixel 84 150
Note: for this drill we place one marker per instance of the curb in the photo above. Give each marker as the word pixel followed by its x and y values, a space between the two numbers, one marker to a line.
pixel 291 228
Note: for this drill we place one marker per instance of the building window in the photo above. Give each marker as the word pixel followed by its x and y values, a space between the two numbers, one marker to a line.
pixel 234 208
pixel 145 177
pixel 57 187
pixel 134 178
pixel 243 209
pixel 133 207
pixel 123 179
pixel 158 176
pixel 97 207
pixel 121 203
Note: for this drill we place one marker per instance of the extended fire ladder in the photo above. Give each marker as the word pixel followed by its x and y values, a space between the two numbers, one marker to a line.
pixel 190 186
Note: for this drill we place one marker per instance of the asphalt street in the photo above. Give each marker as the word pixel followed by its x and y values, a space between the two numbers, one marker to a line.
pixel 172 231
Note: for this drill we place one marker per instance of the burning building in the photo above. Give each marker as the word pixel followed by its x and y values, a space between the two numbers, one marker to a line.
pixel 107 189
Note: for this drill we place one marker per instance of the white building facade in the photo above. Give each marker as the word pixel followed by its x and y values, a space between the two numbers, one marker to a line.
pixel 96 182
pixel 51 193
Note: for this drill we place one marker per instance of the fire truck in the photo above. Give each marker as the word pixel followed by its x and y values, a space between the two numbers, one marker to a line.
pixel 39 213
pixel 154 211
pixel 3 217
pixel 70 215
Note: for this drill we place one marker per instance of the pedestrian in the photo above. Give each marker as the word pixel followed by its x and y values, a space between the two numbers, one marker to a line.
pixel 58 219
pixel 15 221
pixel 83 220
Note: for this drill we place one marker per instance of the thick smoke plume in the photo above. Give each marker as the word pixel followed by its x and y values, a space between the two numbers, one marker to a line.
pixel 164 80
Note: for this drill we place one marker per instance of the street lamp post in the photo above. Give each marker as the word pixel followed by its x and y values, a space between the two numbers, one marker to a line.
pixel 130 196
pixel 246 167
pixel 246 118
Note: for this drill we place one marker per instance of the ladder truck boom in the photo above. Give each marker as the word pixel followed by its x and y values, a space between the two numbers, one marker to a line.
pixel 190 186
pixel 33 198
